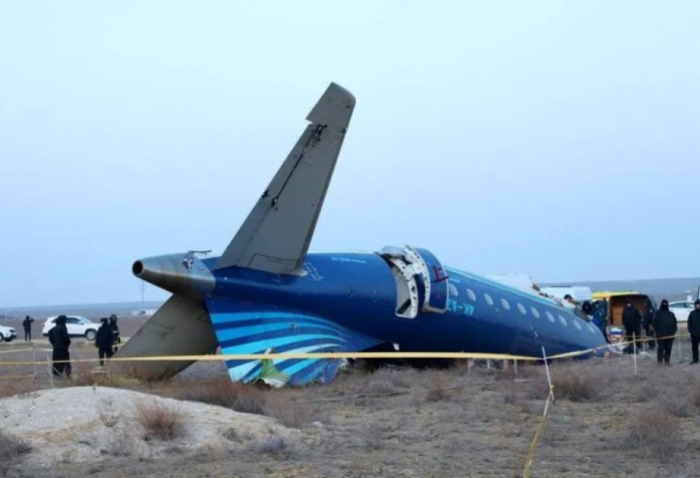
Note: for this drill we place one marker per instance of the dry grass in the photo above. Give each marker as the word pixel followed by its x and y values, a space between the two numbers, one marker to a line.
pixel 219 391
pixel 275 446
pixel 159 421
pixel 18 387
pixel 294 414
pixel 11 450
pixel 654 432
pixel 677 406
pixel 578 387
pixel 441 389
pixel 695 396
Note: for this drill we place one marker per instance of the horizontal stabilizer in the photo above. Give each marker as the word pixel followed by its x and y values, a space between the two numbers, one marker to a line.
pixel 179 327
pixel 276 235
pixel 245 328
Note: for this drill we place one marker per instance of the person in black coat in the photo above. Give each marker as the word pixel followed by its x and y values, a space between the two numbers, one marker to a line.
pixel 694 329
pixel 27 324
pixel 665 327
pixel 103 340
pixel 60 340
pixel 649 312
pixel 632 320
pixel 116 338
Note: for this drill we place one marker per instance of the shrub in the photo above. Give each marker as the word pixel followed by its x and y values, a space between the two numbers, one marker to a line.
pixel 439 389
pixel 654 432
pixel 577 387
pixel 290 413
pixel 677 406
pixel 273 445
pixel 11 449
pixel 160 421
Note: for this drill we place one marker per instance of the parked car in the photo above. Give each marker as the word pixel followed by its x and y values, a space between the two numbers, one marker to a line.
pixel 77 327
pixel 7 334
pixel 681 309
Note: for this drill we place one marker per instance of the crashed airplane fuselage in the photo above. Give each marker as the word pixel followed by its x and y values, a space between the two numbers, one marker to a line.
pixel 266 293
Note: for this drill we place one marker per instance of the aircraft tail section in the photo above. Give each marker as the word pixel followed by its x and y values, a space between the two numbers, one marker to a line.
pixel 245 328
pixel 180 327
pixel 276 235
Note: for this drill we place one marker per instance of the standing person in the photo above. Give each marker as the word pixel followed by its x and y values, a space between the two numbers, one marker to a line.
pixel 58 337
pixel 632 320
pixel 27 324
pixel 103 340
pixel 649 312
pixel 694 329
pixel 116 338
pixel 665 327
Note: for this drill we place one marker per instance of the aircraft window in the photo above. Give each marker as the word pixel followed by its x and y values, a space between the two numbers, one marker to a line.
pixel 535 312
pixel 472 295
pixel 563 321
pixel 591 328
pixel 522 309
pixel 505 304
pixel 550 317
pixel 577 325
pixel 489 299
pixel 453 291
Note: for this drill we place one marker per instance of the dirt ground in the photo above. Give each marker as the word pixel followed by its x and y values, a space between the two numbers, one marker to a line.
pixel 435 423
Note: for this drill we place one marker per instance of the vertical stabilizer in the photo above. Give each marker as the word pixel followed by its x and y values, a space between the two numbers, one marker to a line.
pixel 276 235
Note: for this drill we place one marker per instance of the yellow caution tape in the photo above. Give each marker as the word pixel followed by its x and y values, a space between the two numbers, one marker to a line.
pixel 342 355
pixel 536 439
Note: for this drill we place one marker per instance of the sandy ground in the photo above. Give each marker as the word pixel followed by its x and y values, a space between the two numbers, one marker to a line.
pixel 83 424
pixel 442 423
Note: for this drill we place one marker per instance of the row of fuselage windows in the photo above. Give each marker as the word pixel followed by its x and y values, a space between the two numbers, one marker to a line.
pixel 523 310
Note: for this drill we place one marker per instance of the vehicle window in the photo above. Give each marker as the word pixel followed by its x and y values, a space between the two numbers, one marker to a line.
pixel 505 304
pixel 453 291
pixel 72 320
pixel 591 328
pixel 563 321
pixel 535 312
pixel 577 325
pixel 550 316
pixel 472 295
pixel 489 299
pixel 522 309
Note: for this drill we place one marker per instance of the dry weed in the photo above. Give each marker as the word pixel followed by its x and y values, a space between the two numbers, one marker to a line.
pixel 374 436
pixel 577 387
pixel 160 421
pixel 11 449
pixel 291 413
pixel 677 406
pixel 123 444
pixel 273 445
pixel 655 432
pixel 440 389
pixel 695 396
pixel 18 387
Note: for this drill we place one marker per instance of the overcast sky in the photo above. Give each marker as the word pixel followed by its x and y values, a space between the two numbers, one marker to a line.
pixel 556 138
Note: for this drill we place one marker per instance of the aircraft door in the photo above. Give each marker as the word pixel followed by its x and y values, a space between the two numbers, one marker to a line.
pixel 435 280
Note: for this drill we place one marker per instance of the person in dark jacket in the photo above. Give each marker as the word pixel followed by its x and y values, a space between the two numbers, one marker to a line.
pixel 27 324
pixel 649 312
pixel 632 320
pixel 665 327
pixel 60 340
pixel 103 340
pixel 694 329
pixel 116 338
